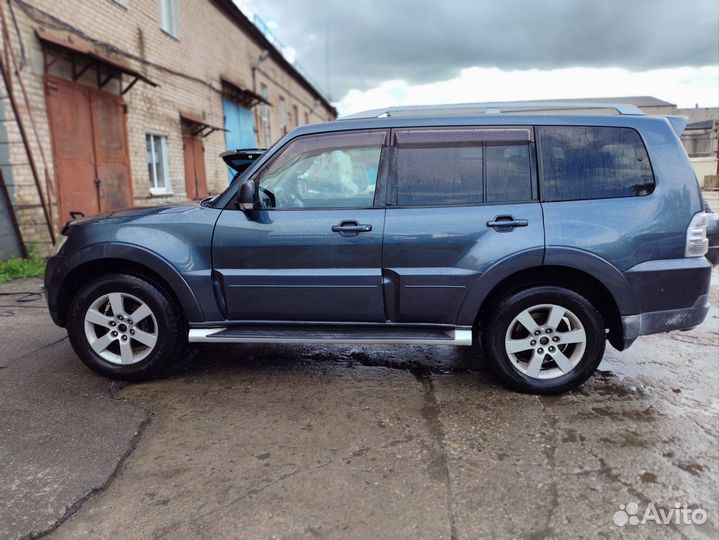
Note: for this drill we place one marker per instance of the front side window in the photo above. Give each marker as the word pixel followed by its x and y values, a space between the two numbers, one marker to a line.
pixel 324 171
pixel 157 163
pixel 589 162
pixel 169 17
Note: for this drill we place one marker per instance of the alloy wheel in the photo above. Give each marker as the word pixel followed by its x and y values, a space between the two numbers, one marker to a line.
pixel 121 328
pixel 545 341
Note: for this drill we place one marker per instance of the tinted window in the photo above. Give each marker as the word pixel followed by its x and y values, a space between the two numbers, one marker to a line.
pixel 335 171
pixel 593 163
pixel 453 175
pixel 439 176
pixel 508 173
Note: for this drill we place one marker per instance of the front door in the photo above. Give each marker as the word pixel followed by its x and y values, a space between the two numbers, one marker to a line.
pixel 89 140
pixel 311 250
pixel 195 179
pixel 455 187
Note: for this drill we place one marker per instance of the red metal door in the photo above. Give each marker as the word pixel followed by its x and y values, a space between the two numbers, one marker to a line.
pixel 68 108
pixel 112 163
pixel 89 140
pixel 195 179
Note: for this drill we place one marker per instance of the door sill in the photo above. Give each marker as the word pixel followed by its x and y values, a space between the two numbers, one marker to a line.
pixel 332 334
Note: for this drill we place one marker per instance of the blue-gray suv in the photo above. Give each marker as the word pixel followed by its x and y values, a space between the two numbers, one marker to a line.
pixel 536 236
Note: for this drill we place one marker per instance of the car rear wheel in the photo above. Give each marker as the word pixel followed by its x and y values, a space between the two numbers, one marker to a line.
pixel 125 327
pixel 544 340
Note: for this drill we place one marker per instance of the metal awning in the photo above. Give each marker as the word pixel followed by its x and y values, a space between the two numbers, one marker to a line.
pixel 89 58
pixel 237 92
pixel 197 125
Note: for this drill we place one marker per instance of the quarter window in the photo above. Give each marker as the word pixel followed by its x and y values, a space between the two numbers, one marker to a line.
pixel 157 163
pixel 593 163
pixel 509 176
pixel 326 171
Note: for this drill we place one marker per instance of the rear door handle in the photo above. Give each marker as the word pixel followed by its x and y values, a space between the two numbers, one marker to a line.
pixel 506 223
pixel 350 228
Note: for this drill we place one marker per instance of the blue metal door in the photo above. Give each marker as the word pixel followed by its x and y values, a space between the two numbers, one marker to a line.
pixel 240 126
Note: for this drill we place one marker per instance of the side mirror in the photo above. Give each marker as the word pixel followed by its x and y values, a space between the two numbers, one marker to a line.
pixel 246 196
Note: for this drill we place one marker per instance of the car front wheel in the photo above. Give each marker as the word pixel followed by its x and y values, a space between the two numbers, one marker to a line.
pixel 544 340
pixel 125 327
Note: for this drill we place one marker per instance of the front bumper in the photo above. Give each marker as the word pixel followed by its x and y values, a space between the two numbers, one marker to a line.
pixel 54 270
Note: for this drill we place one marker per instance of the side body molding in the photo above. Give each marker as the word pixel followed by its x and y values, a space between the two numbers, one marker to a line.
pixel 139 255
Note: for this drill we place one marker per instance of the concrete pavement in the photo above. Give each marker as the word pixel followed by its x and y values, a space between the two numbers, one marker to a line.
pixel 264 441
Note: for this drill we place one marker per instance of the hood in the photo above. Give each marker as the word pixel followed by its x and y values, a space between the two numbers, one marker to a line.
pixel 129 215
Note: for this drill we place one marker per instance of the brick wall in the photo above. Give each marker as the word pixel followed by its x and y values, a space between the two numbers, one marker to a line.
pixel 187 68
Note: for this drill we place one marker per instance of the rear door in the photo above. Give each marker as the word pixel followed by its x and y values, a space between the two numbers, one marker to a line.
pixel 311 250
pixel 462 199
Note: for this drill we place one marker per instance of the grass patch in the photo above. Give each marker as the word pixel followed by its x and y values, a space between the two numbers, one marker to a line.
pixel 17 268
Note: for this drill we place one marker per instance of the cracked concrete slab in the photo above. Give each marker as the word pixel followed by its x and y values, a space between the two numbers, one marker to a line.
pixel 276 451
pixel 62 435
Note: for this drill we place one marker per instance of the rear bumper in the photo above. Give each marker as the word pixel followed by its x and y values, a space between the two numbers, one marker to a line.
pixel 655 322
pixel 672 295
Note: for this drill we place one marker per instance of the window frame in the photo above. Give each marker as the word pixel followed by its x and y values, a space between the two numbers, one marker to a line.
pixel 166 188
pixel 540 165
pixel 379 200
pixel 471 136
pixel 170 14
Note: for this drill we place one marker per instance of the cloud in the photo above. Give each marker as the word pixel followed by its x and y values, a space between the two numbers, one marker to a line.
pixel 422 41
pixel 683 86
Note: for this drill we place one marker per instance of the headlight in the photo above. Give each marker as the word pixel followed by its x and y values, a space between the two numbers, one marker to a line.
pixel 61 239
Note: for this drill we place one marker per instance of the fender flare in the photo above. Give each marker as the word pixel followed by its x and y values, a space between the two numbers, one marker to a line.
pixel 144 257
pixel 601 269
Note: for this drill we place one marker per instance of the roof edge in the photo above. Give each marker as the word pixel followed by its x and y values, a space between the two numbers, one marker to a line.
pixel 236 14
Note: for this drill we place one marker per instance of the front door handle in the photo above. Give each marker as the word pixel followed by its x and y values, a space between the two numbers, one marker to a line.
pixel 350 228
pixel 506 223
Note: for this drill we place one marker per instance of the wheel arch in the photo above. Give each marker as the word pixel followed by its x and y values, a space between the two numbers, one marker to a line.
pixel 95 261
pixel 584 273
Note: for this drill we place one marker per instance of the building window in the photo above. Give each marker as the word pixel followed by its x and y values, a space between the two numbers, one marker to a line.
pixel 296 115
pixel 283 116
pixel 307 117
pixel 169 17
pixel 157 164
pixel 266 117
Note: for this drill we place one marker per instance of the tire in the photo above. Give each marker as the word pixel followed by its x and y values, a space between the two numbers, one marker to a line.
pixel 523 360
pixel 156 339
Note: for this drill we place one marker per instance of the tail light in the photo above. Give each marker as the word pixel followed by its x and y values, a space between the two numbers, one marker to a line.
pixel 697 243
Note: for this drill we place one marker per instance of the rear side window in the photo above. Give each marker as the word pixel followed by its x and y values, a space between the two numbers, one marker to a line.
pixel 463 167
pixel 591 162
pixel 439 176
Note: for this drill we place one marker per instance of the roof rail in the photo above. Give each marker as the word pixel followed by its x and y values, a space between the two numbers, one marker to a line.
pixel 468 109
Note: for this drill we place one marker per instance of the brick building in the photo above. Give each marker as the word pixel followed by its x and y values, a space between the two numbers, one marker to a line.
pixel 132 101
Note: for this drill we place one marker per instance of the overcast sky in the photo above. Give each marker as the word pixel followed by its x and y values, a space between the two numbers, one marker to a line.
pixel 384 52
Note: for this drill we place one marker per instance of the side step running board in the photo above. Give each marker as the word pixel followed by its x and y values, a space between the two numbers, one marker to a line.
pixel 331 335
